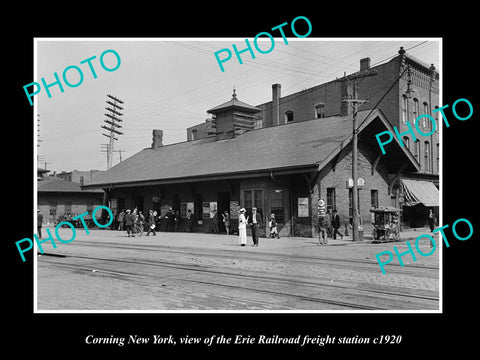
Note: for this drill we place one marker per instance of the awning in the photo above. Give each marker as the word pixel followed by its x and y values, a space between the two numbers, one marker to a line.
pixel 420 192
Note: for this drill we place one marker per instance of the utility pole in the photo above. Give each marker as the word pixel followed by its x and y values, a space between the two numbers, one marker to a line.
pixel 355 104
pixel 105 148
pixel 120 153
pixel 112 126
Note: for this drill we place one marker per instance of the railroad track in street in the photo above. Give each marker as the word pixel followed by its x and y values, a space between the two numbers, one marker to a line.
pixel 411 269
pixel 289 291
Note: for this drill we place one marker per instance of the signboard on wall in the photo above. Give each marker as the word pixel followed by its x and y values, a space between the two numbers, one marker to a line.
pixel 321 207
pixel 206 210
pixel 213 208
pixel 184 207
pixel 303 207
pixel 113 206
pixel 234 209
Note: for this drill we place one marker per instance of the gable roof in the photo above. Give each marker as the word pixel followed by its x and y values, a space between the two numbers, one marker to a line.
pixel 302 146
pixel 60 185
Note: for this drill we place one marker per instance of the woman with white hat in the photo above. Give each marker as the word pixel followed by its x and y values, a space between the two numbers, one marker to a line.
pixel 242 228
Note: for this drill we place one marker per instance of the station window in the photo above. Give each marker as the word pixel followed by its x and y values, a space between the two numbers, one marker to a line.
pixel 350 202
pixel 277 205
pixel 331 201
pixel 53 209
pixel 253 198
pixel 374 198
pixel 68 208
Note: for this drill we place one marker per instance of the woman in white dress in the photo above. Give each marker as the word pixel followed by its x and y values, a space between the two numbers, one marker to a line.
pixel 242 228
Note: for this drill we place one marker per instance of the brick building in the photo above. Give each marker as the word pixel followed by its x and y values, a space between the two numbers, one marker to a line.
pixel 403 89
pixel 282 169
pixel 58 197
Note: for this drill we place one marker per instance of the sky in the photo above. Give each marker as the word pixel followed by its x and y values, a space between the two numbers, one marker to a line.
pixel 169 84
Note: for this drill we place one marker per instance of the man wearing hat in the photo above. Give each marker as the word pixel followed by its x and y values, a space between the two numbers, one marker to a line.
pixel 255 222
pixel 128 223
pixel 39 223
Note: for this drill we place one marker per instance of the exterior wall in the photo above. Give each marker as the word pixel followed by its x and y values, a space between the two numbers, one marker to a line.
pixel 280 194
pixel 272 190
pixel 162 197
pixel 79 203
pixel 200 131
pixel 372 88
pixel 336 177
pixel 303 103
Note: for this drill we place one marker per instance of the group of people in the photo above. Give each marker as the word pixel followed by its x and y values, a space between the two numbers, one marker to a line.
pixel 225 221
pixel 328 226
pixel 128 219
pixel 254 221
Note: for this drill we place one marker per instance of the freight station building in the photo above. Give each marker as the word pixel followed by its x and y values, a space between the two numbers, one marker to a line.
pixel 283 156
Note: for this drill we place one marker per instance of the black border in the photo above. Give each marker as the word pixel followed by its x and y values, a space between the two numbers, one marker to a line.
pixel 64 334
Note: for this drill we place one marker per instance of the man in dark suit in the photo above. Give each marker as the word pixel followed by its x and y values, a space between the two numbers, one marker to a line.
pixel 336 224
pixel 169 219
pixel 255 222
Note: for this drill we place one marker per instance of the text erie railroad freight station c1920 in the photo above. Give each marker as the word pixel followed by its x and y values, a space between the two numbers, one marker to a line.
pixel 283 156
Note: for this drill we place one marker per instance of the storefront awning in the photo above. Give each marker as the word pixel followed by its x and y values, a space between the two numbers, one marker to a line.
pixel 418 191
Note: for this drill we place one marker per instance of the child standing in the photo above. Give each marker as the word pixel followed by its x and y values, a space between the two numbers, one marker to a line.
pixel 273 227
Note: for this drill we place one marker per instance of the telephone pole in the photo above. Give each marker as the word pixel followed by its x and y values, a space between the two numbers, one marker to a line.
pixel 112 121
pixel 355 104
pixel 105 148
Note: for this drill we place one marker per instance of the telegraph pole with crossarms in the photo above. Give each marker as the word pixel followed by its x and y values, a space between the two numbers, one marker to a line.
pixel 355 104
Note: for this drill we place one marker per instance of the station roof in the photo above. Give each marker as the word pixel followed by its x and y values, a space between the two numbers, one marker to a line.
pixel 305 146
pixel 64 186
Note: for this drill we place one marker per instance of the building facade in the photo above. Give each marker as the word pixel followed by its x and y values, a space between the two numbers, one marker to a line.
pixel 284 155
pixel 57 198
pixel 283 170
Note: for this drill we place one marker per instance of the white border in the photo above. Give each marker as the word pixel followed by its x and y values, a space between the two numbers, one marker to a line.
pixel 373 39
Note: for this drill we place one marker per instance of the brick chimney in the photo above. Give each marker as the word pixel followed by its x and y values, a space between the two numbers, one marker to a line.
pixel 276 89
pixel 157 139
pixel 364 63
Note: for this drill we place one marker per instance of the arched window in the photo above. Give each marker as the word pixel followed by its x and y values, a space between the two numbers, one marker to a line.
pixel 416 150
pixel 406 142
pixel 404 109
pixel 415 110
pixel 427 124
pixel 436 119
pixel 427 156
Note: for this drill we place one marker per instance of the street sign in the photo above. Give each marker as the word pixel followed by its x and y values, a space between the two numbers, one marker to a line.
pixel 360 182
pixel 321 207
